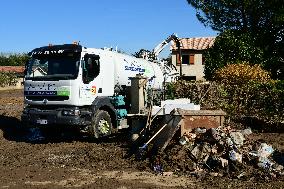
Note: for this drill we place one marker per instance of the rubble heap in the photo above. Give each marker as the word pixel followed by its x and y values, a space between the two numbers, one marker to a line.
pixel 219 152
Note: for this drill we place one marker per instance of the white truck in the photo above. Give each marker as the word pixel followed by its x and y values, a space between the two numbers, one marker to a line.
pixel 83 87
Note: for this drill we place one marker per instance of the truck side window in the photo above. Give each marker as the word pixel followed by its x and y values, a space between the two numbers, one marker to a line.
pixel 91 68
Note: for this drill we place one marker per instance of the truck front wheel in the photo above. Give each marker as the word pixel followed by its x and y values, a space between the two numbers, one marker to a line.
pixel 101 124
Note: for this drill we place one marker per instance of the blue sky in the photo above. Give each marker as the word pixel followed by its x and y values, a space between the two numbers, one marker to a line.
pixel 128 24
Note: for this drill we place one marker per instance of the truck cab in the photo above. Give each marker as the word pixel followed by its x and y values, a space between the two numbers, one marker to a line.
pixel 67 85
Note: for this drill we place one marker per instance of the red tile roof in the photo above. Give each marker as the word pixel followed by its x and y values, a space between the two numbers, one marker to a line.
pixel 16 69
pixel 196 43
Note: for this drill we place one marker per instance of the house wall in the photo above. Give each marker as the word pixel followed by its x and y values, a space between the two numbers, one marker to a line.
pixel 37 73
pixel 196 69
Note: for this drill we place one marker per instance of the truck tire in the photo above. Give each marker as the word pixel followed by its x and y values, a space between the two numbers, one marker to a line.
pixel 101 125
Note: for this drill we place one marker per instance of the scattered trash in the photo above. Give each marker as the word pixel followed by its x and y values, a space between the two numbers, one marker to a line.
pixel 235 156
pixel 191 136
pixel 214 174
pixel 200 130
pixel 183 140
pixel 265 163
pixel 223 151
pixel 278 168
pixel 224 162
pixel 246 132
pixel 265 150
pixel 200 151
pixel 237 138
pixel 241 175
pixel 158 169
pixel 170 173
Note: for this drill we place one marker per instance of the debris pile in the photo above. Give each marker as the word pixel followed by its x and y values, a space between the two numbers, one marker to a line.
pixel 219 152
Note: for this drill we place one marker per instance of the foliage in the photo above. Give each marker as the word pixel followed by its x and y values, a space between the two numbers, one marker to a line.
pixel 269 100
pixel 252 15
pixel 257 26
pixel 232 47
pixel 197 92
pixel 143 53
pixel 170 90
pixel 264 100
pixel 249 91
pixel 239 74
pixel 13 59
pixel 8 79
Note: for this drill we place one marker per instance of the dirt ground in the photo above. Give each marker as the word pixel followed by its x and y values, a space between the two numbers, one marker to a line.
pixel 73 161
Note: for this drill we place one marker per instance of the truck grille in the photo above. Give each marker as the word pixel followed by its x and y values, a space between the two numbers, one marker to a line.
pixel 49 98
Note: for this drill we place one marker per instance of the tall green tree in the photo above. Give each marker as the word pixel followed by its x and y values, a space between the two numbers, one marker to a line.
pixel 232 47
pixel 13 59
pixel 245 15
pixel 262 21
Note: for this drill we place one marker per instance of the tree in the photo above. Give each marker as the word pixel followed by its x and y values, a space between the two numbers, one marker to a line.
pixel 13 59
pixel 232 47
pixel 261 20
pixel 143 53
pixel 245 15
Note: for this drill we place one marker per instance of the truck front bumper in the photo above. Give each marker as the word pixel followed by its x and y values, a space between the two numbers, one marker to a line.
pixel 36 117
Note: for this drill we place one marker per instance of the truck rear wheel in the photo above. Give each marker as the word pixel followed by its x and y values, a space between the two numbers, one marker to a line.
pixel 101 124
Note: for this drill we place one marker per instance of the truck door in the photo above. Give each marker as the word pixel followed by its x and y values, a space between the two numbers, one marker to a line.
pixel 92 82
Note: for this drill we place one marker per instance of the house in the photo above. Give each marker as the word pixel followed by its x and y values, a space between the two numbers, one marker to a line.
pixel 192 50
pixel 38 71
pixel 18 71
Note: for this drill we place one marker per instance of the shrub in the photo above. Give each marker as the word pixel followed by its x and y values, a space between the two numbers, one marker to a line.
pixel 264 100
pixel 197 92
pixel 232 47
pixel 7 79
pixel 238 74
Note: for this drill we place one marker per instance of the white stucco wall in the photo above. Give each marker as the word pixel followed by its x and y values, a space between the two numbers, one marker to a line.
pixel 196 70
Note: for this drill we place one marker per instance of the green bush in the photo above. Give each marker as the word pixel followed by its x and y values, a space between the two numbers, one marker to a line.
pixel 239 74
pixel 268 100
pixel 245 90
pixel 197 92
pixel 264 100
pixel 232 47
pixel 8 79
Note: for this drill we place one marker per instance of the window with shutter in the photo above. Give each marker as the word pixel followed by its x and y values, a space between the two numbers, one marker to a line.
pixel 191 59
pixel 178 60
pixel 185 59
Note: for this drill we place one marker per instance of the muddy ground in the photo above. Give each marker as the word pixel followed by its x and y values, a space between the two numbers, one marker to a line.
pixel 73 161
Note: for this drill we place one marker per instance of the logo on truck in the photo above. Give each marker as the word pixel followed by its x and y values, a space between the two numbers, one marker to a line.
pixel 94 90
pixel 44 101
pixel 47 89
pixel 135 68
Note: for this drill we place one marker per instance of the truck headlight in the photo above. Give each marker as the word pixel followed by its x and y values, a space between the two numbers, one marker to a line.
pixel 71 112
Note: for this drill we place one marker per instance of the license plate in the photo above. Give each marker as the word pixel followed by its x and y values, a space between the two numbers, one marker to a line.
pixel 42 121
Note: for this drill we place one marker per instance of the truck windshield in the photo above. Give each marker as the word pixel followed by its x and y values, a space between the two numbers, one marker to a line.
pixel 53 67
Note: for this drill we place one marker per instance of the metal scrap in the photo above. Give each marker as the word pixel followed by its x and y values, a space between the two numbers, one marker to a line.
pixel 228 151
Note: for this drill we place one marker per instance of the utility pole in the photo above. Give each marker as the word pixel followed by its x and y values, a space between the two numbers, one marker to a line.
pixel 180 56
